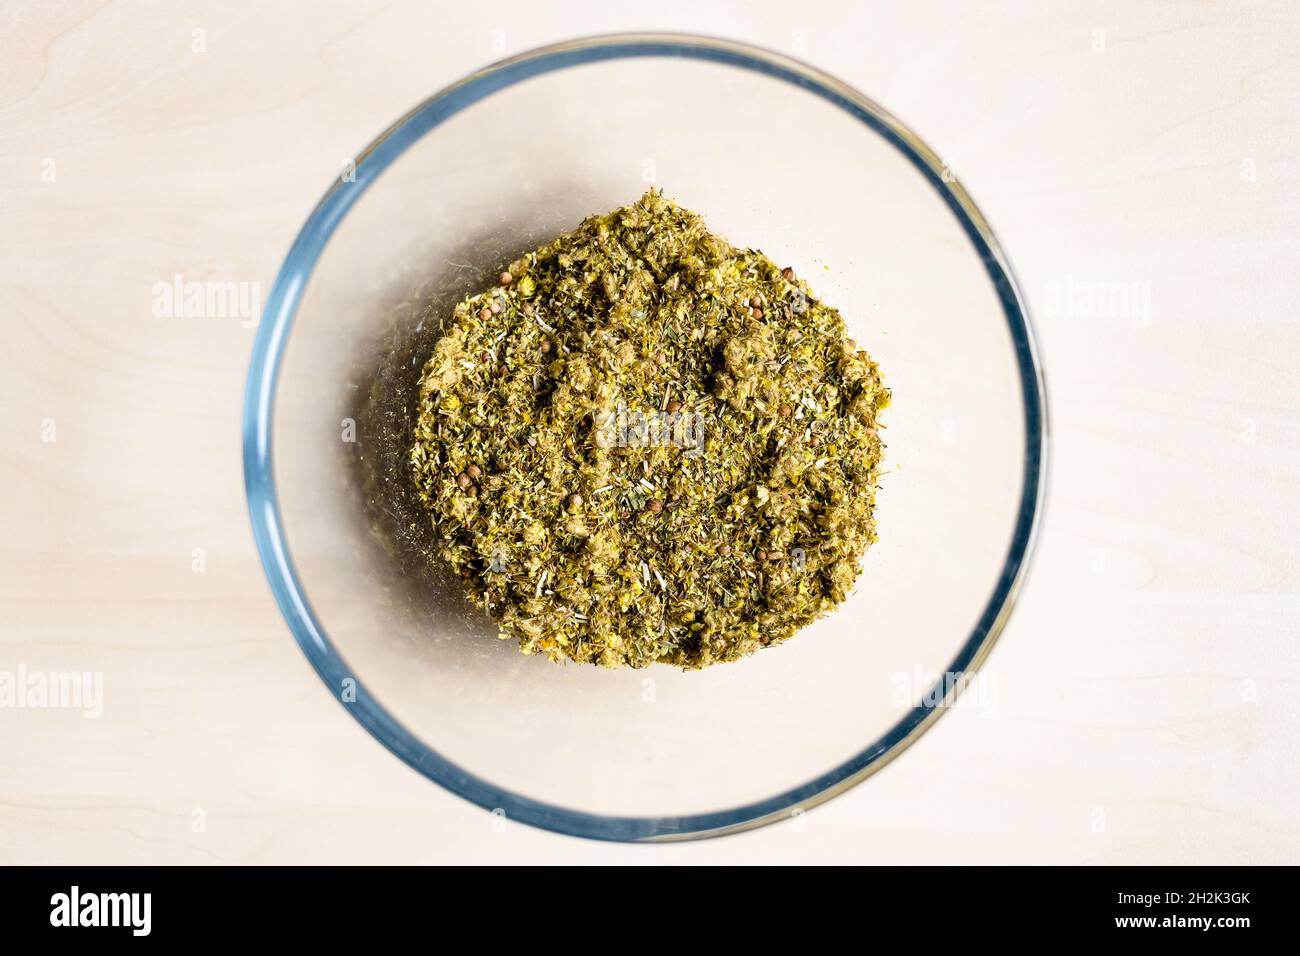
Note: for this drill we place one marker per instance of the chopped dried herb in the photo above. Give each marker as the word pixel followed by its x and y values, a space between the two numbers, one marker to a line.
pixel 644 445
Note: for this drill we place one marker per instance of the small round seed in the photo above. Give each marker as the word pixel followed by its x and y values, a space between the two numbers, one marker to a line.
pixel 472 491
pixel 724 549
pixel 485 313
pixel 788 273
pixel 474 471
pixel 545 346
pixel 655 506
pixel 756 313
pixel 761 555
pixel 786 410
pixel 463 480
pixel 506 278
pixel 756 302
pixel 674 408
pixel 496 307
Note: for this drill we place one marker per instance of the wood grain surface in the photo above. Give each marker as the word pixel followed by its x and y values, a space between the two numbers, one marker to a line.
pixel 1141 163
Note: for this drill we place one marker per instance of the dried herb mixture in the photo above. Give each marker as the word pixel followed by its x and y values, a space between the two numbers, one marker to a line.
pixel 645 445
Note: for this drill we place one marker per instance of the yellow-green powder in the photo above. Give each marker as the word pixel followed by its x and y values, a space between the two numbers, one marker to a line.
pixel 647 445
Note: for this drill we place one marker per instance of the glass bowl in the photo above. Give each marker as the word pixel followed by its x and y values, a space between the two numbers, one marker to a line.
pixel 775 155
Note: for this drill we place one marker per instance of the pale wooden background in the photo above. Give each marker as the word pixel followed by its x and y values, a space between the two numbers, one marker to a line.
pixel 1147 684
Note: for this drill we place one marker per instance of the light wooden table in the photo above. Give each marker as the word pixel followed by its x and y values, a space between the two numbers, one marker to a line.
pixel 1148 682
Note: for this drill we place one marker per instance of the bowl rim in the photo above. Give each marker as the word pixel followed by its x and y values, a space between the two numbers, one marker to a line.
pixel 273 334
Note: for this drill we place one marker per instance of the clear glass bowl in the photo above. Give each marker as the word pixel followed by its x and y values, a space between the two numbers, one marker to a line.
pixel 774 155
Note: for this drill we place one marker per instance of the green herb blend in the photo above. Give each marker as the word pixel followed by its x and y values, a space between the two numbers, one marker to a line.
pixel 646 445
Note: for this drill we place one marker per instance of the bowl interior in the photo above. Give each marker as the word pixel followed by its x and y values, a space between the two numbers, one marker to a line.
pixel 770 164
